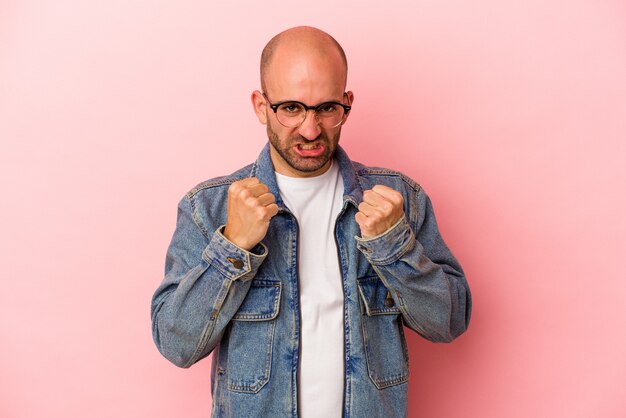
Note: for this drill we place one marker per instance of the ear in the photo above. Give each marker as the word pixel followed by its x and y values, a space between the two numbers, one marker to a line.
pixel 260 108
pixel 350 97
pixel 350 102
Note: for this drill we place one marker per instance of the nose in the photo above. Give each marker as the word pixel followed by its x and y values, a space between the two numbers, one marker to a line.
pixel 310 128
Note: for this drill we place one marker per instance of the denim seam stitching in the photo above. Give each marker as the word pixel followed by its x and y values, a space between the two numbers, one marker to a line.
pixel 412 321
pixel 390 173
pixel 196 218
pixel 272 315
pixel 386 382
pixel 227 274
pixel 256 387
pixel 208 328
pixel 374 311
pixel 395 257
pixel 215 182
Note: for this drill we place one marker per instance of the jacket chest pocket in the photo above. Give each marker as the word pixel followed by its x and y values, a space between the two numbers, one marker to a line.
pixel 251 337
pixel 383 335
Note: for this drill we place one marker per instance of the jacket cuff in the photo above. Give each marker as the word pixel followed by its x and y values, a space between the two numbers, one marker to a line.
pixel 233 261
pixel 389 246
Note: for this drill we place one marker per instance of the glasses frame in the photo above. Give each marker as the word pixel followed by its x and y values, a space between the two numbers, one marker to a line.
pixel 274 107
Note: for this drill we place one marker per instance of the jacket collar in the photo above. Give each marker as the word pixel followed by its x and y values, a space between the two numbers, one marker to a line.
pixel 263 169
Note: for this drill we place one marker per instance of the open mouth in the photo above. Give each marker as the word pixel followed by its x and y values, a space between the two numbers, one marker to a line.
pixel 309 150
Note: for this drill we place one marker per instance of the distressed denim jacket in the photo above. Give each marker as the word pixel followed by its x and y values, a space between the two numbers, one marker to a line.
pixel 243 306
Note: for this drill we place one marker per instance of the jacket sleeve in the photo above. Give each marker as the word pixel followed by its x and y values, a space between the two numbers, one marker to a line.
pixel 206 279
pixel 424 279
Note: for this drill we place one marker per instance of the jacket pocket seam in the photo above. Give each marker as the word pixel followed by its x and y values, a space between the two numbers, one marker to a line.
pixel 375 312
pixel 252 381
pixel 262 381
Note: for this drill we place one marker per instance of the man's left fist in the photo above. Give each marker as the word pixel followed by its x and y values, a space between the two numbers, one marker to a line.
pixel 380 209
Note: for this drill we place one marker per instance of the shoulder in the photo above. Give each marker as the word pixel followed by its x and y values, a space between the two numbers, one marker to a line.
pixel 206 203
pixel 370 175
pixel 417 204
pixel 218 184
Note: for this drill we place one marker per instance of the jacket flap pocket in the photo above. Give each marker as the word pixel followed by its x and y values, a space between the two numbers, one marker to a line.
pixel 262 301
pixel 376 298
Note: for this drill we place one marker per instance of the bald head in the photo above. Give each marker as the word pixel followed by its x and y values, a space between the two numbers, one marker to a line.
pixel 299 41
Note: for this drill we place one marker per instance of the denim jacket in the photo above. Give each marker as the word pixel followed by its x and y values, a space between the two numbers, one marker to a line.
pixel 243 306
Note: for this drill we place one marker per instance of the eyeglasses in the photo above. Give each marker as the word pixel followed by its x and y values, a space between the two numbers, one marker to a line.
pixel 292 114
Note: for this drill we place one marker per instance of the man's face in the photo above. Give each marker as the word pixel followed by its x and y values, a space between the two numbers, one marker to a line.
pixel 305 155
pixel 310 78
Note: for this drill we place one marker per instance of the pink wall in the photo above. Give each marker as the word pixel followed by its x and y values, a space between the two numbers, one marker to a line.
pixel 512 115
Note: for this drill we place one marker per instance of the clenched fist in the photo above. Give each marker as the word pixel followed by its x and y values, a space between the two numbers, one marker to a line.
pixel 250 208
pixel 380 209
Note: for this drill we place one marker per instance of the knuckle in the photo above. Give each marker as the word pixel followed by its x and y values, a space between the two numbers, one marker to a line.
pixel 268 211
pixel 252 202
pixel 245 194
pixel 259 212
pixel 234 187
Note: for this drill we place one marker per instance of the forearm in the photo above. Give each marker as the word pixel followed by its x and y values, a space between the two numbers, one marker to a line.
pixel 193 305
pixel 427 284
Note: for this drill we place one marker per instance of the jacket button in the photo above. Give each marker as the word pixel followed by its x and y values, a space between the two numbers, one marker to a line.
pixel 237 263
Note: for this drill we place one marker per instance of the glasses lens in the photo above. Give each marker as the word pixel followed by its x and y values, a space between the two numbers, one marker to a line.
pixel 291 114
pixel 330 114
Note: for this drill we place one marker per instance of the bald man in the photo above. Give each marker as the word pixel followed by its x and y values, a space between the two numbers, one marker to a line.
pixel 300 271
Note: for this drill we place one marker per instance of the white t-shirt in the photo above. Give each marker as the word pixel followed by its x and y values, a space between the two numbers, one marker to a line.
pixel 316 203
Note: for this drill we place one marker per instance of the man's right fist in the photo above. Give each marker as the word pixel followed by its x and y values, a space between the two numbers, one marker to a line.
pixel 250 208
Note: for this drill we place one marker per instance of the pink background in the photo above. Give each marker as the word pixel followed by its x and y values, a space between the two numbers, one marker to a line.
pixel 510 114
